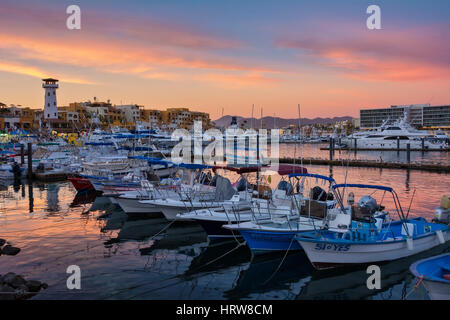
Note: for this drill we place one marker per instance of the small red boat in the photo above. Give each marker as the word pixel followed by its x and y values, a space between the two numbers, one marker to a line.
pixel 81 184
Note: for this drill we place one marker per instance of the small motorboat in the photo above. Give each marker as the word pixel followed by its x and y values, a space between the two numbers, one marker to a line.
pixel 291 213
pixel 367 241
pixel 434 273
pixel 81 184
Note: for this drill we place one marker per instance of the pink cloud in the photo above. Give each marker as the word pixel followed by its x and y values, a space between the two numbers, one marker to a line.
pixel 402 55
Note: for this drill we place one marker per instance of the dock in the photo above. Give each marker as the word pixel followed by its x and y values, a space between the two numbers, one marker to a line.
pixel 382 149
pixel 432 167
pixel 50 176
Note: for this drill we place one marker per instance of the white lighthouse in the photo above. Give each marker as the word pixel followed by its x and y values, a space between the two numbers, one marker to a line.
pixel 50 109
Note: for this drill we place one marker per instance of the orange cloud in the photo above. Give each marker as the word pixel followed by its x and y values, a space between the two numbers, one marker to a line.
pixel 372 69
pixel 36 72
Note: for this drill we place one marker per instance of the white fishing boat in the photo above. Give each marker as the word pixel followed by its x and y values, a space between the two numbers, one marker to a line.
pixel 130 201
pixel 366 241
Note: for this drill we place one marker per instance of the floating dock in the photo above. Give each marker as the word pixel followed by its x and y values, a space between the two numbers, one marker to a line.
pixel 372 164
pixel 381 149
pixel 50 176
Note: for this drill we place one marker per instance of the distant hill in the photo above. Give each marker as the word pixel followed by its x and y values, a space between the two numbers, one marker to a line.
pixel 279 122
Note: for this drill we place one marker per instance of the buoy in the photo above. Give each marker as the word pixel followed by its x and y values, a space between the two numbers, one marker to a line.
pixel 409 243
pixel 440 236
pixel 351 198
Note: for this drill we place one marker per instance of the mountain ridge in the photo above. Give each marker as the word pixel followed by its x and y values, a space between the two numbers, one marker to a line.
pixel 269 121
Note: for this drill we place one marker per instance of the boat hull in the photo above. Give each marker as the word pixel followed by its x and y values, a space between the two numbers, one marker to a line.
pixel 134 206
pixel 81 184
pixel 214 229
pixel 262 241
pixel 324 255
pixel 437 290
pixel 434 274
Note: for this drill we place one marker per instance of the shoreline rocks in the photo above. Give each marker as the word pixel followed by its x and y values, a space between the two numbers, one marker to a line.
pixel 15 287
pixel 8 249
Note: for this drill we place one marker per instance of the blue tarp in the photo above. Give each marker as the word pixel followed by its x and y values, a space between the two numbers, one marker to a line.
pixel 19 132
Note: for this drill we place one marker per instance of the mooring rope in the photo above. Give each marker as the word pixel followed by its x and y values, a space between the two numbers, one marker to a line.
pixel 281 262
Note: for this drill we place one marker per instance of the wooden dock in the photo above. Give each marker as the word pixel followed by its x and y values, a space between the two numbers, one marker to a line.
pixel 438 167
pixel 50 176
pixel 380 149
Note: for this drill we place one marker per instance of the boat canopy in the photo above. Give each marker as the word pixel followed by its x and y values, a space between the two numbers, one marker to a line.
pixel 239 170
pixel 365 186
pixel 287 169
pixel 312 175
pixel 192 166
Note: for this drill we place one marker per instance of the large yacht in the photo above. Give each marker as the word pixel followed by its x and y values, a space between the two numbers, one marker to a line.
pixel 393 136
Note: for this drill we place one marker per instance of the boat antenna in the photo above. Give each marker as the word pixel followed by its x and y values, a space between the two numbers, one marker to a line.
pixel 300 134
pixel 253 107
pixel 409 208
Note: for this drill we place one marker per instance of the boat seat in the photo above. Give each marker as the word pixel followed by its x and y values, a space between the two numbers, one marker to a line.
pixel 360 214
pixel 314 208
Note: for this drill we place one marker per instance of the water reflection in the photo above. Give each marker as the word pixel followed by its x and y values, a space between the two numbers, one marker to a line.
pixel 350 282
pixel 267 276
pixel 124 257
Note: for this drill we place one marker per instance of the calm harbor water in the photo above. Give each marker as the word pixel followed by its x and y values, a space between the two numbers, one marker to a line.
pixel 121 258
pixel 313 151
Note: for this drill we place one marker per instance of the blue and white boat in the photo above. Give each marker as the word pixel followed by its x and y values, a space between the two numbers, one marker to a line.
pixel 282 221
pixel 367 241
pixel 434 274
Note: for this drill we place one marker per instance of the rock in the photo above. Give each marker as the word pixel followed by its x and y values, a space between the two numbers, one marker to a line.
pixel 7 292
pixel 2 242
pixel 10 250
pixel 34 285
pixel 8 277
pixel 14 280
pixel 22 292
pixel 44 285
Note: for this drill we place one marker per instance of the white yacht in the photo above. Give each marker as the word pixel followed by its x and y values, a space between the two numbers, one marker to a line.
pixel 396 135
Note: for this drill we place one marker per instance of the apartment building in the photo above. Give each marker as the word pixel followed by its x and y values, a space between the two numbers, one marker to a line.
pixel 419 115
pixel 175 118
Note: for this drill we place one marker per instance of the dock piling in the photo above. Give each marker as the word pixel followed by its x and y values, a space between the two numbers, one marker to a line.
pixel 30 161
pixel 408 153
pixel 331 148
pixel 22 154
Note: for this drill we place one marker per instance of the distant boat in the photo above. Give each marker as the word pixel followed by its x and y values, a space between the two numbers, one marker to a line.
pixel 397 135
pixel 434 273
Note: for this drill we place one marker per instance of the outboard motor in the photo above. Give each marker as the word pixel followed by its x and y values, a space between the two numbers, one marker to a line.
pixel 367 205
pixel 318 194
pixel 242 185
pixel 286 186
pixel 442 213
pixel 40 167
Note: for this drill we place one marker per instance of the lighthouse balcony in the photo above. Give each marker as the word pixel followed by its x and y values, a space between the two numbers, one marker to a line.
pixel 50 85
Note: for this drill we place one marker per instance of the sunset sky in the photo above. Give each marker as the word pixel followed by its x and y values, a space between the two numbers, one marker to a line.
pixel 214 54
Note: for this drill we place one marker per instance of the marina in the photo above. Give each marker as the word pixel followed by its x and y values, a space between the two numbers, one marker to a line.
pixel 146 257
pixel 217 158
